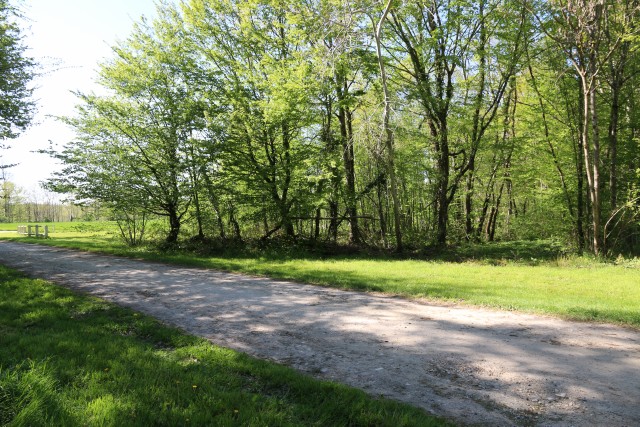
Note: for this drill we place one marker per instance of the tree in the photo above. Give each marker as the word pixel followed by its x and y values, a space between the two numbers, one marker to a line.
pixel 134 144
pixel 17 70
pixel 439 120
pixel 594 35
pixel 387 132
pixel 16 73
pixel 446 45
pixel 258 54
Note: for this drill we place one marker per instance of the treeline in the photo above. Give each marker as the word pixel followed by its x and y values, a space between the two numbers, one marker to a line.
pixel 395 124
pixel 18 205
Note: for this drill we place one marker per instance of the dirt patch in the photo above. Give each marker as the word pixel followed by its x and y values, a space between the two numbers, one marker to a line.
pixel 474 366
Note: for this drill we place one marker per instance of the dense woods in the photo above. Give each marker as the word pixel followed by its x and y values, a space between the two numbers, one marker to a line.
pixel 395 124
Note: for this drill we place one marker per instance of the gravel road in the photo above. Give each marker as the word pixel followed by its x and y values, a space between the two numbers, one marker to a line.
pixel 473 366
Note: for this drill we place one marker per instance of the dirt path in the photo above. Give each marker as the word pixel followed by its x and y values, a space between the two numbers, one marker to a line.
pixel 473 366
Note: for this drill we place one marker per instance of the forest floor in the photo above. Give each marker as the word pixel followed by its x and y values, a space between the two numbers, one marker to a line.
pixel 471 365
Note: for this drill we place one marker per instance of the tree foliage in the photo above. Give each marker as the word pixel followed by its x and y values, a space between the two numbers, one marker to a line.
pixel 17 70
pixel 394 124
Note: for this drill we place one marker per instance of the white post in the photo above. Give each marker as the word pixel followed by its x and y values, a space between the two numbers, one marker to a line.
pixel 29 228
pixel 37 231
pixel 46 231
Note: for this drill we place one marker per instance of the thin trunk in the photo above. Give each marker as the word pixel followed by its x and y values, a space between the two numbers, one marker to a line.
pixel 196 203
pixel 487 198
pixel 442 206
pixel 552 151
pixel 335 180
pixel 195 184
pixel 316 232
pixel 216 209
pixel 354 235
pixel 468 206
pixel 493 220
pixel 234 223
pixel 333 222
pixel 614 118
pixel 387 131
pixel 579 163
pixel 590 159
pixel 346 136
pixel 213 199
pixel 596 203
pixel 381 215
pixel 285 206
pixel 475 134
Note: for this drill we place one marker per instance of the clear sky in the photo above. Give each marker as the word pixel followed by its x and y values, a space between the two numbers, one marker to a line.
pixel 68 38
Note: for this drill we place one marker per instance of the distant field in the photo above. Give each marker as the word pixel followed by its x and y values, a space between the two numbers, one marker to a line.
pixel 571 287
pixel 66 227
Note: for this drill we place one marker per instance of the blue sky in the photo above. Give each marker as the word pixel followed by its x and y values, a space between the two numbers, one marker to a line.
pixel 69 38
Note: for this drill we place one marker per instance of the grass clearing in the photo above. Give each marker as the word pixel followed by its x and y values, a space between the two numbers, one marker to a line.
pixel 595 293
pixel 68 359
pixel 525 276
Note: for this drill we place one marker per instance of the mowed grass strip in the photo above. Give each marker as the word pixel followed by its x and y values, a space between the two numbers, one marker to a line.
pixel 573 288
pixel 68 359
pixel 604 293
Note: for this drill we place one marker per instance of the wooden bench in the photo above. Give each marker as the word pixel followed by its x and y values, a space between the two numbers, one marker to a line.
pixel 27 230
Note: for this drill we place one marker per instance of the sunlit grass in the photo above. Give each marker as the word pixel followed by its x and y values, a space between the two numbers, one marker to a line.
pixel 73 360
pixel 73 228
pixel 597 292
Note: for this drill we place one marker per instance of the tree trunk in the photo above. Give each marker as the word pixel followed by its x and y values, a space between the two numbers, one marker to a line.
pixel 596 203
pixel 475 134
pixel 333 222
pixel 579 163
pixel 381 215
pixel 213 199
pixel 387 131
pixel 174 225
pixel 591 157
pixel 196 203
pixel 234 222
pixel 346 136
pixel 282 201
pixel 316 230
pixel 468 207
pixel 442 199
pixel 614 117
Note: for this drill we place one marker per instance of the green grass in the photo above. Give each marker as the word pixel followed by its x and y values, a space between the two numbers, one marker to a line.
pixel 526 276
pixel 604 293
pixel 67 359
pixel 92 227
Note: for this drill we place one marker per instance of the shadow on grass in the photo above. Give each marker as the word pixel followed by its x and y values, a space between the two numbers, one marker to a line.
pixel 527 251
pixel 281 250
pixel 530 252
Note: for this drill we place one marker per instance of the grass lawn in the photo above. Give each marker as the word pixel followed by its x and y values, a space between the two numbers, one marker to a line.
pixel 603 293
pixel 67 359
pixel 521 276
